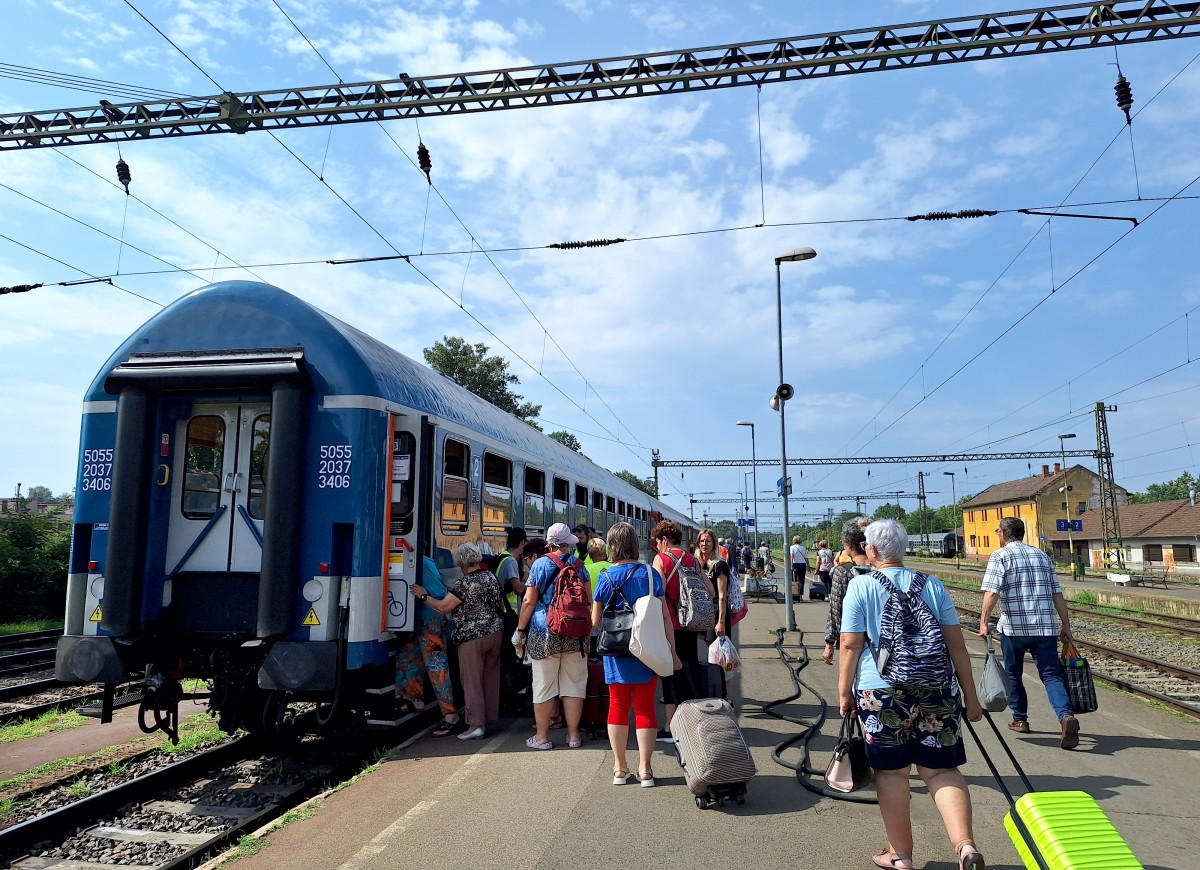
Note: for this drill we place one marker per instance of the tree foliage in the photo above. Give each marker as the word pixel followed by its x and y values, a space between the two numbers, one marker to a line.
pixel 566 439
pixel 1172 489
pixel 488 377
pixel 40 494
pixel 889 511
pixel 34 554
pixel 645 485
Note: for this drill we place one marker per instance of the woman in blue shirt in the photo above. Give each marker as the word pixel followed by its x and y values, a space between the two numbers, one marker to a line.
pixel 907 725
pixel 629 681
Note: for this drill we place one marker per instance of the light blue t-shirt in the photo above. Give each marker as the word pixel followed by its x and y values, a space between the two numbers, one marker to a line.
pixel 862 610
pixel 631 580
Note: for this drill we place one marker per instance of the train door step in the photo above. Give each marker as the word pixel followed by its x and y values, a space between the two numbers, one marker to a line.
pixel 119 702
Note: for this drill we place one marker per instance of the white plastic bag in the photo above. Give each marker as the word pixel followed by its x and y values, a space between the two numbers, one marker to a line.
pixel 722 652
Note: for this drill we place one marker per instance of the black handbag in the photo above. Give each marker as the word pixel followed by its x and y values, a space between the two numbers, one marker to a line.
pixel 1077 677
pixel 616 626
pixel 848 769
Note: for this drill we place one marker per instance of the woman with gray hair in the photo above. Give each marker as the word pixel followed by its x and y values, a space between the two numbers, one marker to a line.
pixel 478 620
pixel 905 721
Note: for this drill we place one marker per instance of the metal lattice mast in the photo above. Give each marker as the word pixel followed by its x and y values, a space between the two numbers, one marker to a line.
pixel 1110 519
pixel 927 43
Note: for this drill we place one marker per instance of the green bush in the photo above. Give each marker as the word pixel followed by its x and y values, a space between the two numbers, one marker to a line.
pixel 1085 597
pixel 34 555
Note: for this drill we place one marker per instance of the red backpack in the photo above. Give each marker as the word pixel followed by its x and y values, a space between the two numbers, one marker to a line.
pixel 569 614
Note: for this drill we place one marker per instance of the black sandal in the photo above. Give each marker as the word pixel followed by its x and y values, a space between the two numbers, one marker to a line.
pixel 446 728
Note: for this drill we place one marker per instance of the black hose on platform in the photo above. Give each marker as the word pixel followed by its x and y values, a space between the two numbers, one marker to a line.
pixel 804 772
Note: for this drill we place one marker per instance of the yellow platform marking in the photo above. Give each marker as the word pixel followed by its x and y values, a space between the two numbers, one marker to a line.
pixel 311 618
pixel 97 614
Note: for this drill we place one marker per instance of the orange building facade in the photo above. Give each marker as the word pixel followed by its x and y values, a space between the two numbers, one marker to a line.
pixel 1040 501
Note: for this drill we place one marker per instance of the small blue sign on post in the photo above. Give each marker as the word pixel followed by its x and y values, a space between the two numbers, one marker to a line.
pixel 750 521
pixel 741 522
pixel 1077 525
pixel 779 486
pixel 1060 525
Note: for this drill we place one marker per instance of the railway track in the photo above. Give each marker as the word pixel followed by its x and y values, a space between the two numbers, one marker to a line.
pixel 24 639
pixel 1180 626
pixel 27 662
pixel 1174 685
pixel 174 816
pixel 21 701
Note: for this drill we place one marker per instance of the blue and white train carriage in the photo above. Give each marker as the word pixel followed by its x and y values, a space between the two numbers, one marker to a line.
pixel 256 481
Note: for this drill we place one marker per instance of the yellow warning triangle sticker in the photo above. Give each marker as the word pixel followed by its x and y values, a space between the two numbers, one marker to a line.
pixel 97 614
pixel 310 619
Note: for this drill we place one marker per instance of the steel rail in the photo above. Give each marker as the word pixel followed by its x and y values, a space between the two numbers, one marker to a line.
pixel 28 638
pixel 927 43
pixel 1135 689
pixel 34 710
pixel 20 690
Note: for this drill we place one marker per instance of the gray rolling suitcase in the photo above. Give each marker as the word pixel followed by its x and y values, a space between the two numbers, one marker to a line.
pixel 712 751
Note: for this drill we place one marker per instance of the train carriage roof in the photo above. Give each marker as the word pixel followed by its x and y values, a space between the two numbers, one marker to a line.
pixel 339 360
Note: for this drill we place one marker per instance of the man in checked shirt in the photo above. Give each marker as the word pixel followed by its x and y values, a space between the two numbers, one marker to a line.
pixel 1022 579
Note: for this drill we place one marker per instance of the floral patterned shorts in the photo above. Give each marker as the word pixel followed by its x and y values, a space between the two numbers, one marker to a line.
pixel 911 726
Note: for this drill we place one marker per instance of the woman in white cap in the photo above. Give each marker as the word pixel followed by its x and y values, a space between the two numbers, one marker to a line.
pixel 559 663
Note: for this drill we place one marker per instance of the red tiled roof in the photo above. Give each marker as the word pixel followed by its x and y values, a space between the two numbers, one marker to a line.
pixel 1016 490
pixel 1160 519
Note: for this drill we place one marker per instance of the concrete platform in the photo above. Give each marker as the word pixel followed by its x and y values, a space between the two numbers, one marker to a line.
pixel 496 804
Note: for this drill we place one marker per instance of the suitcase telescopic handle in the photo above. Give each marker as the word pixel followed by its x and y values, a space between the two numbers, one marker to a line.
pixel 1018 822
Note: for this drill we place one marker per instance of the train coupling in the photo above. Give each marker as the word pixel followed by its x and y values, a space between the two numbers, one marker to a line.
pixel 161 699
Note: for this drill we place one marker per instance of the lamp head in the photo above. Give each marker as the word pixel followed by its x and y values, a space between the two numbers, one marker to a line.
pixel 1071 435
pixel 745 423
pixel 949 473
pixel 795 254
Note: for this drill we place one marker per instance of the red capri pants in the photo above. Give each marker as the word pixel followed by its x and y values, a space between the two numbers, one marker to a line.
pixel 642 696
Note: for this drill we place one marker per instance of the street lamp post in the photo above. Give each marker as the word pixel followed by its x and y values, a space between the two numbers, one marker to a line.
pixel 754 472
pixel 954 501
pixel 782 393
pixel 1067 499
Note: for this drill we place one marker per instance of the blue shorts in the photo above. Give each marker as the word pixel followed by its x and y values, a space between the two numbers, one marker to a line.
pixel 911 726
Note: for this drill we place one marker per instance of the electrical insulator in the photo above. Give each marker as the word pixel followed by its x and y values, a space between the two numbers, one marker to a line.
pixel 1124 97
pixel 123 175
pixel 424 162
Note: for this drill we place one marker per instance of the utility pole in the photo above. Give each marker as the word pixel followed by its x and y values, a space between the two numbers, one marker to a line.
pixel 921 498
pixel 1110 520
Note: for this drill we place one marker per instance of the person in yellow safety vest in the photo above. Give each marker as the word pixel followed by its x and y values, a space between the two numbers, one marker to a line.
pixel 508 565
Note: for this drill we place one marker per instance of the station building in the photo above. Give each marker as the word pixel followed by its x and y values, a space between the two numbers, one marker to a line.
pixel 1161 534
pixel 1039 500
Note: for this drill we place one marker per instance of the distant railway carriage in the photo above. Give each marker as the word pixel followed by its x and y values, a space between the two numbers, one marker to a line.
pixel 256 483
pixel 946 544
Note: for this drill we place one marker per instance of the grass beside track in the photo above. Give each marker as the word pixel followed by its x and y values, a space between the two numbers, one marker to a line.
pixel 53 720
pixel 30 625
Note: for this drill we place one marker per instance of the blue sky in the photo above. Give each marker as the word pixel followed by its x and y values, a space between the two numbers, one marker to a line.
pixel 676 337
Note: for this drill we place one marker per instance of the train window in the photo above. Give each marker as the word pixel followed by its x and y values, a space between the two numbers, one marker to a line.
pixel 581 505
pixel 456 457
pixel 203 462
pixel 497 492
pixel 260 443
pixel 610 508
pixel 404 447
pixel 562 494
pixel 535 501
pixel 621 510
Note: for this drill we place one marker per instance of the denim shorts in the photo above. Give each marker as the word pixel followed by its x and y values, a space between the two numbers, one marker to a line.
pixel 911 725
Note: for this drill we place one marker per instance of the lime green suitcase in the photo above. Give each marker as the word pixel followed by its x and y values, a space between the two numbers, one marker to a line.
pixel 1070 831
pixel 1058 830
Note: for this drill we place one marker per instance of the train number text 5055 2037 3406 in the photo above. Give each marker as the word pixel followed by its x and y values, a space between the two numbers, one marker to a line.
pixel 333 471
pixel 97 469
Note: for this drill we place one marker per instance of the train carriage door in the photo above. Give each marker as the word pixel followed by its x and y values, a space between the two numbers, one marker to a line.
pixel 406 507
pixel 218 499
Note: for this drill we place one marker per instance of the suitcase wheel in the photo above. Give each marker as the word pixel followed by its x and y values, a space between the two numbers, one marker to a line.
pixel 702 802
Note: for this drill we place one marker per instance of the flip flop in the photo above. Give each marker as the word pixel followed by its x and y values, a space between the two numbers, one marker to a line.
pixel 532 743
